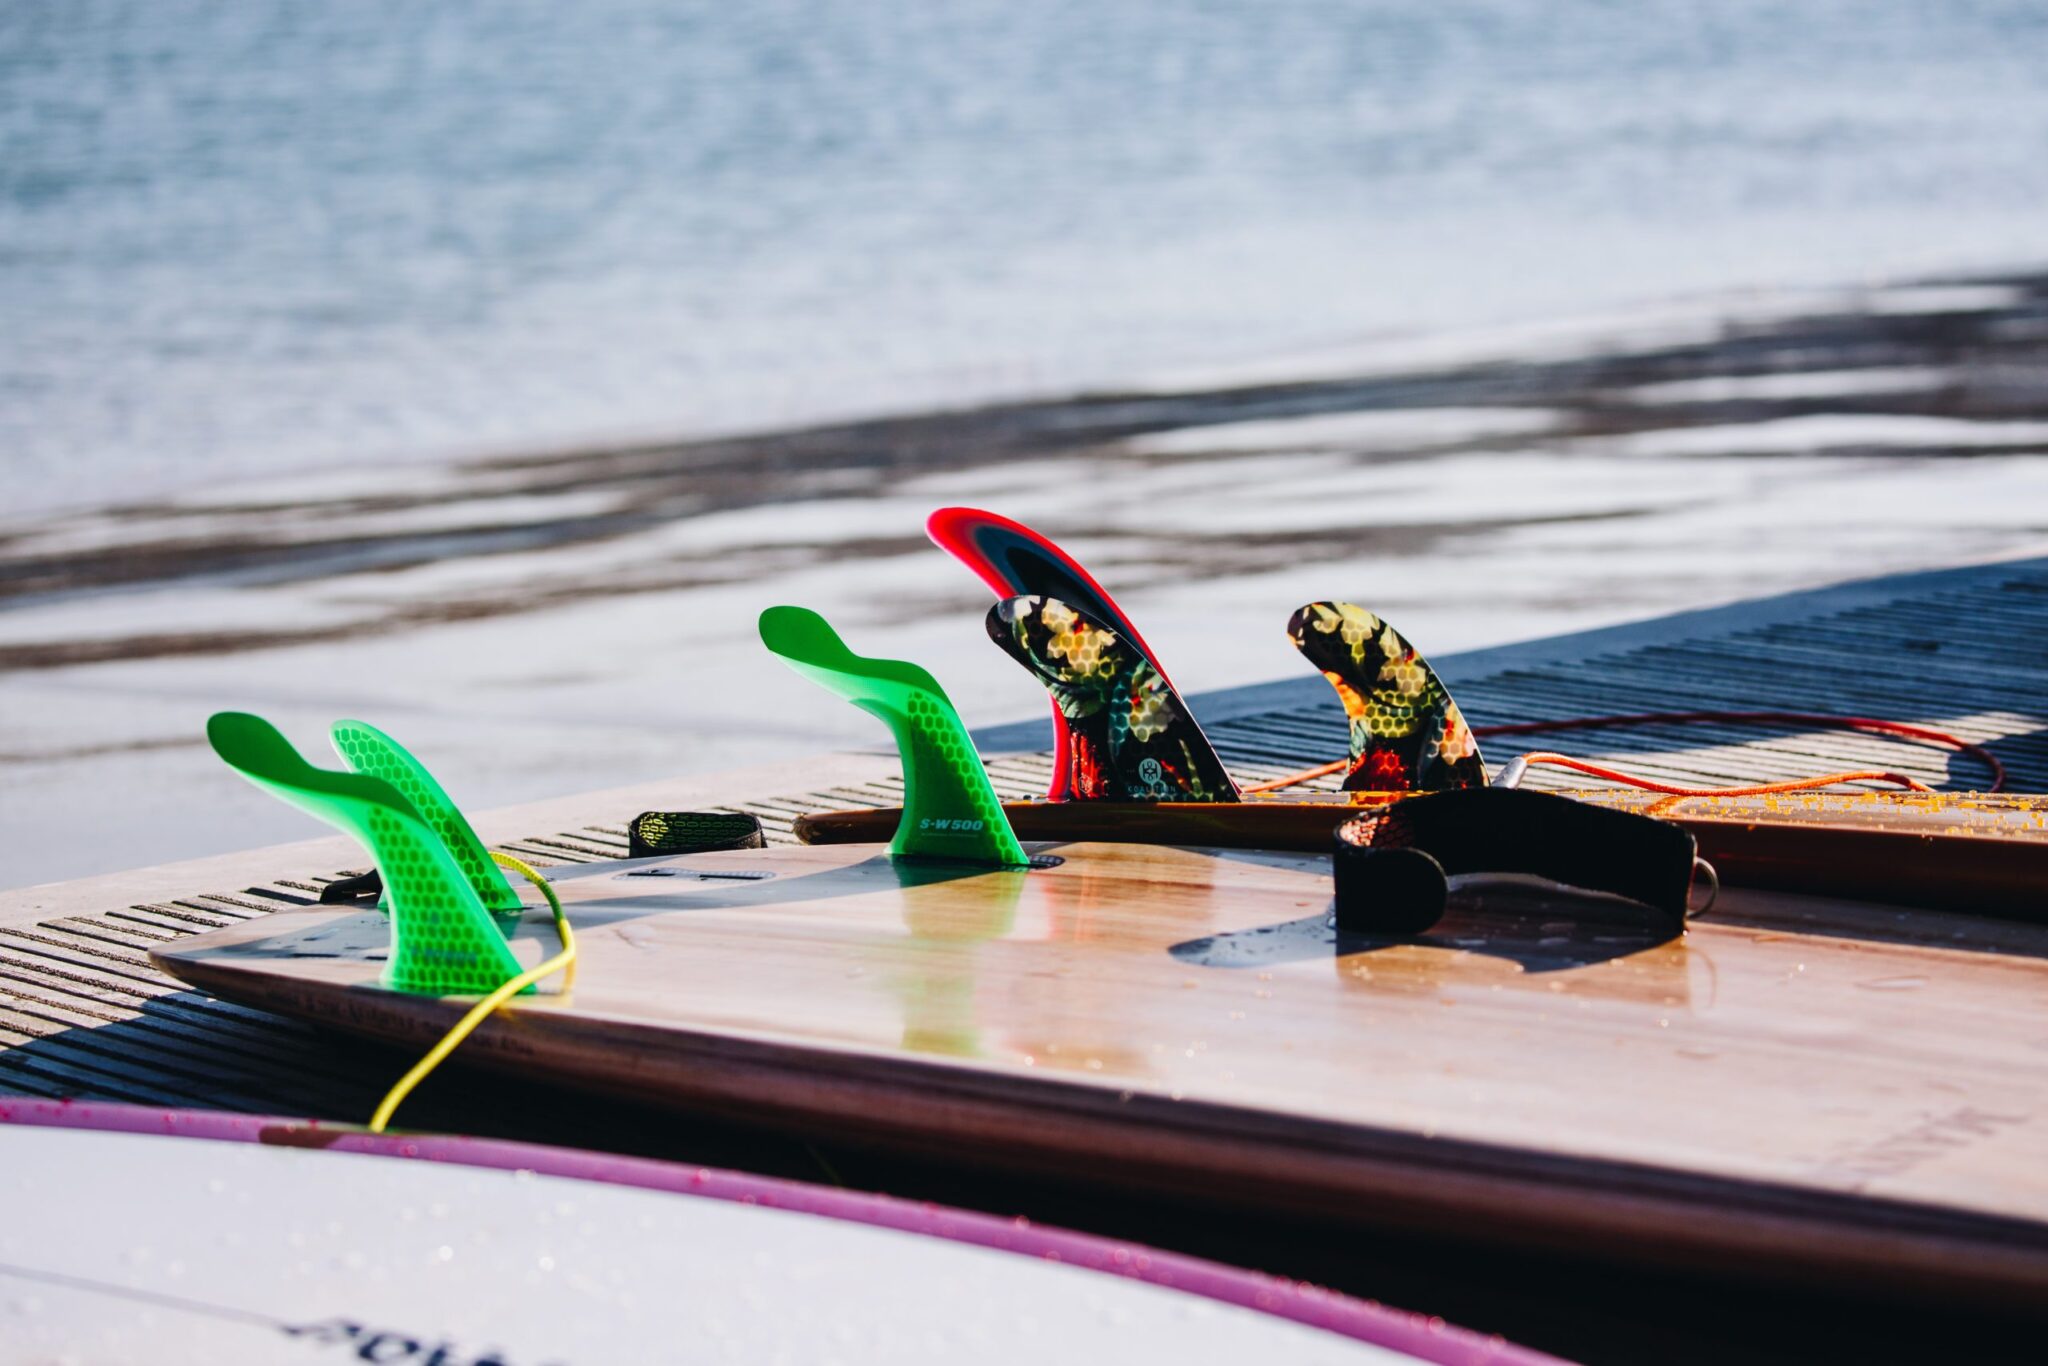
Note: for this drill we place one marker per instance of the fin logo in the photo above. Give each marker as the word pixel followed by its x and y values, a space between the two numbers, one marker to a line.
pixel 1150 772
pixel 946 826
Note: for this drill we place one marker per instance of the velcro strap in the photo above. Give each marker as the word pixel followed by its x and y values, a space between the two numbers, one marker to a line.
pixel 1390 866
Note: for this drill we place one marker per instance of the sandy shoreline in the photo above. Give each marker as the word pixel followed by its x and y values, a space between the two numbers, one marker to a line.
pixel 544 624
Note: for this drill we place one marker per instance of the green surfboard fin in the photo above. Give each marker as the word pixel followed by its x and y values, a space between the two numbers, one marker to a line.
pixel 950 810
pixel 366 749
pixel 443 941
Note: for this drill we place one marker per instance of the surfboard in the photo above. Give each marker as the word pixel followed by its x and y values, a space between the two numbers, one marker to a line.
pixel 146 1235
pixel 1811 1088
pixel 1817 1089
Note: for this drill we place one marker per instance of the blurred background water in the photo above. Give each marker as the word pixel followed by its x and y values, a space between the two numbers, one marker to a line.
pixel 266 235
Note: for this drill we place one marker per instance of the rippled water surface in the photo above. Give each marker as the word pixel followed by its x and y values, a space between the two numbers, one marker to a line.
pixel 255 237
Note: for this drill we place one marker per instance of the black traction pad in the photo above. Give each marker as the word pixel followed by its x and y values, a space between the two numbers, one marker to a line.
pixel 654 834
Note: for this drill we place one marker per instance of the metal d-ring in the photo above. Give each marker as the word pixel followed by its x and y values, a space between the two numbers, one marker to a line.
pixel 1700 865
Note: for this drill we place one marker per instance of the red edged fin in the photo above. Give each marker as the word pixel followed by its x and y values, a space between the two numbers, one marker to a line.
pixel 1015 561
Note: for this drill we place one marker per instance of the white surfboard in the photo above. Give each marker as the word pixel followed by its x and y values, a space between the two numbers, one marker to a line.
pixel 128 1247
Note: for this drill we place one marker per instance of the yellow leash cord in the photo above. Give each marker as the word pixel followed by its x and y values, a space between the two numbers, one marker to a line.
pixel 563 962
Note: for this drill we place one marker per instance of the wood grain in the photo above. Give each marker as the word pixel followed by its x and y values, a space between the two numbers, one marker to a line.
pixel 1800 1088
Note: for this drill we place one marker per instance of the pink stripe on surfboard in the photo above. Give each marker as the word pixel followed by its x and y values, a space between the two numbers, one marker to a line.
pixel 1429 1339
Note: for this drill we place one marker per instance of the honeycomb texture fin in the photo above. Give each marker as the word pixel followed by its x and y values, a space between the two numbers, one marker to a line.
pixel 368 750
pixel 443 941
pixel 1130 736
pixel 950 809
pixel 1407 735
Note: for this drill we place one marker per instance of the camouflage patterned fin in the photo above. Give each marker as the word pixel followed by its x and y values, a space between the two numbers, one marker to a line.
pixel 1407 735
pixel 1131 736
pixel 1013 560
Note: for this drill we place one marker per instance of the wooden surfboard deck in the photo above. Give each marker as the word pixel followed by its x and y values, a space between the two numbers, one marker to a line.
pixel 1800 1088
pixel 1967 851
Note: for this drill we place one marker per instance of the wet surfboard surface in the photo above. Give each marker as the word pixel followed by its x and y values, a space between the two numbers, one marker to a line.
pixel 1805 1088
pixel 302 1243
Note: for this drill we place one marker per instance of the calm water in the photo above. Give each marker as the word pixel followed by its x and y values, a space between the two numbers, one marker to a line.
pixel 270 234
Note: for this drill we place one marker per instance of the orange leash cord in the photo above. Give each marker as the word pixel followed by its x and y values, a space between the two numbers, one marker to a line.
pixel 1870 725
pixel 1760 790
